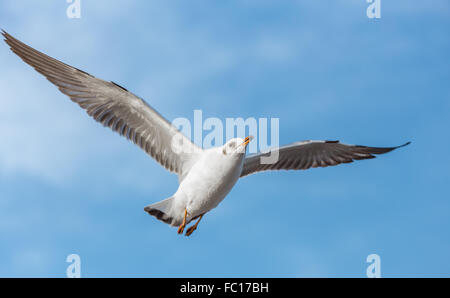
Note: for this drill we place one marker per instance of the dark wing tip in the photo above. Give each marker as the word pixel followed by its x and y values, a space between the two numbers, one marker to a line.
pixel 5 35
pixel 394 148
pixel 406 144
pixel 10 40
pixel 389 149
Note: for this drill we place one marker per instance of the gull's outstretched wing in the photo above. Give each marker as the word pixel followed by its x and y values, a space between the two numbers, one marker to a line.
pixel 115 107
pixel 311 154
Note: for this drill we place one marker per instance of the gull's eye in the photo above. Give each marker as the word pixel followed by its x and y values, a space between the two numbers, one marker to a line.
pixel 231 145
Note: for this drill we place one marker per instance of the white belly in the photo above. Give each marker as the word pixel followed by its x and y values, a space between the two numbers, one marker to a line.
pixel 208 182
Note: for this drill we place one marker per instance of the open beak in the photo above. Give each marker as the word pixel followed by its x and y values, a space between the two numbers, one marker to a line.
pixel 246 141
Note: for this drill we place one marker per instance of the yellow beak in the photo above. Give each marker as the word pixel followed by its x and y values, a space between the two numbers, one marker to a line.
pixel 246 141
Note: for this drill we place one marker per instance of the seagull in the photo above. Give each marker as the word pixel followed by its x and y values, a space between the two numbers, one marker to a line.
pixel 205 176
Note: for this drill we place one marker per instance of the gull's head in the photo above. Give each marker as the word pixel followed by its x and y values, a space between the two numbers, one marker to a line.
pixel 236 146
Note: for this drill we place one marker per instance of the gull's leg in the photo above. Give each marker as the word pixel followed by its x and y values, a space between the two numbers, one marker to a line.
pixel 194 227
pixel 183 224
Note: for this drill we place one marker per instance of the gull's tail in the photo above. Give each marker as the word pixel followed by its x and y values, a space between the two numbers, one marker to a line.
pixel 160 210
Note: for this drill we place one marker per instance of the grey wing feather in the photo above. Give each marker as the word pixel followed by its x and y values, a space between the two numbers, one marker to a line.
pixel 311 154
pixel 115 107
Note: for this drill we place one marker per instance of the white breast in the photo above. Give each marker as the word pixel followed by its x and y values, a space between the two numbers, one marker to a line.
pixel 209 181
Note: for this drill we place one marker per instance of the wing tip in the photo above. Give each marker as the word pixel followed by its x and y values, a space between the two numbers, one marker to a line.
pixel 404 145
pixel 389 149
pixel 5 35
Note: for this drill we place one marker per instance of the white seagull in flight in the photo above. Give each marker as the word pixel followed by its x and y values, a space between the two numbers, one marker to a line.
pixel 205 176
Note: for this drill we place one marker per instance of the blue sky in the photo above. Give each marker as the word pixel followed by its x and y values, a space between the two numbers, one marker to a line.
pixel 68 185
